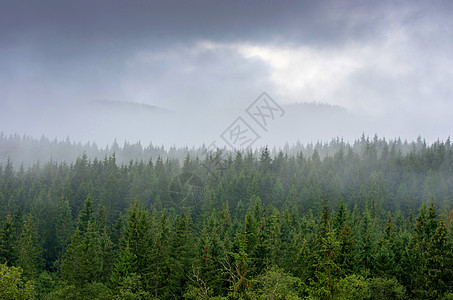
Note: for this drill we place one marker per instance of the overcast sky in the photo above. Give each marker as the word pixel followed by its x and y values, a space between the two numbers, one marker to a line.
pixel 382 59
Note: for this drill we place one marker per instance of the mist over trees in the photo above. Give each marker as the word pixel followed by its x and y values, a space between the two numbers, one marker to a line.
pixel 368 220
pixel 27 151
pixel 226 150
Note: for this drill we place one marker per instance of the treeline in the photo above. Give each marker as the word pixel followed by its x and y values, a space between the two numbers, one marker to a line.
pixel 27 151
pixel 382 176
pixel 368 224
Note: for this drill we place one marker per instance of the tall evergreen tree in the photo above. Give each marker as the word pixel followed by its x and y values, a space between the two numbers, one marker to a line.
pixel 82 262
pixel 160 261
pixel 29 252
pixel 181 255
pixel 134 245
pixel 8 252
pixel 438 266
pixel 64 226
pixel 326 253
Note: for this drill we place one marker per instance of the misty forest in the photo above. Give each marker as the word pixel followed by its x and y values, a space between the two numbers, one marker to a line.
pixel 226 149
pixel 367 220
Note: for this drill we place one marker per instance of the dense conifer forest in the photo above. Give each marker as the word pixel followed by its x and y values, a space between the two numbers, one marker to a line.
pixel 367 220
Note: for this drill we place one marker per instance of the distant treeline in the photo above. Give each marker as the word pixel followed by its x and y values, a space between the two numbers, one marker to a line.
pixel 26 150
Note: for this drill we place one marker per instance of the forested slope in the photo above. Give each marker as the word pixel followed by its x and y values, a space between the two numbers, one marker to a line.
pixel 371 220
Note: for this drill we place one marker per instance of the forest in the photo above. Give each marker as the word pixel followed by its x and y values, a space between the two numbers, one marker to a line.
pixel 371 219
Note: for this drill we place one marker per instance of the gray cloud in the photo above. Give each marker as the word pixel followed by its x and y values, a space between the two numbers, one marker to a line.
pixel 397 53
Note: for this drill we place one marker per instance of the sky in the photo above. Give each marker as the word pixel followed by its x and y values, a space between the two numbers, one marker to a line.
pixel 390 62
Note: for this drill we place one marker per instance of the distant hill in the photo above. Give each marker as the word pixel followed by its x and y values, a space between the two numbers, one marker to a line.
pixel 126 106
pixel 104 120
pixel 315 106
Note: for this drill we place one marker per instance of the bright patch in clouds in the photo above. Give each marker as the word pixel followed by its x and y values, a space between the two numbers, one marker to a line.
pixel 379 77
pixel 305 74
pixel 374 78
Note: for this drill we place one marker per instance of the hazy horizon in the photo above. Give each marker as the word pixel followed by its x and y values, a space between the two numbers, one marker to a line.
pixel 196 66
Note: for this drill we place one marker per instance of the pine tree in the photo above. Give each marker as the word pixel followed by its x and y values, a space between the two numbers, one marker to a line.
pixel 82 262
pixel 29 252
pixel 7 242
pixel 260 254
pixel 160 261
pixel 340 217
pixel 162 181
pixel 123 270
pixel 8 188
pixel 326 253
pixel 367 241
pixel 134 245
pixel 64 227
pixel 344 233
pixel 416 253
pixel 205 277
pixel 86 215
pixel 438 267
pixel 265 160
pixel 238 269
pixel 181 255
pixel 107 248
pixel 385 256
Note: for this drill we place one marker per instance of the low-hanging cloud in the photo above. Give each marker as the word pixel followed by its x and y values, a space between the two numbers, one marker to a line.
pixel 383 60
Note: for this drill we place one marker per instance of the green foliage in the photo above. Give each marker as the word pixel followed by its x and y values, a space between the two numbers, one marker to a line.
pixel 181 255
pixel 384 288
pixel 130 287
pixel 29 252
pixel 64 226
pixel 13 286
pixel 93 290
pixel 45 284
pixel 326 254
pixel 438 267
pixel 356 287
pixel 352 287
pixel 82 262
pixel 261 229
pixel 275 283
pixel 7 242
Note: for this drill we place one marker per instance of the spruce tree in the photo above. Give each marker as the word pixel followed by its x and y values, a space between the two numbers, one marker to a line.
pixel 64 227
pixel 134 245
pixel 82 262
pixel 438 267
pixel 29 252
pixel 8 252
pixel 160 261
pixel 107 248
pixel 181 255
pixel 326 253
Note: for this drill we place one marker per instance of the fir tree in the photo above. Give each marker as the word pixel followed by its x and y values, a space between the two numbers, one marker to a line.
pixel 438 267
pixel 7 242
pixel 29 252
pixel 82 262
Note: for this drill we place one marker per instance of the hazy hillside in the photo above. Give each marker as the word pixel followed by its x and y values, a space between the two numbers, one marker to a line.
pixel 103 121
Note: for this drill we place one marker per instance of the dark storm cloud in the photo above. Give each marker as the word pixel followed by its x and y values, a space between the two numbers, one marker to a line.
pixel 67 27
